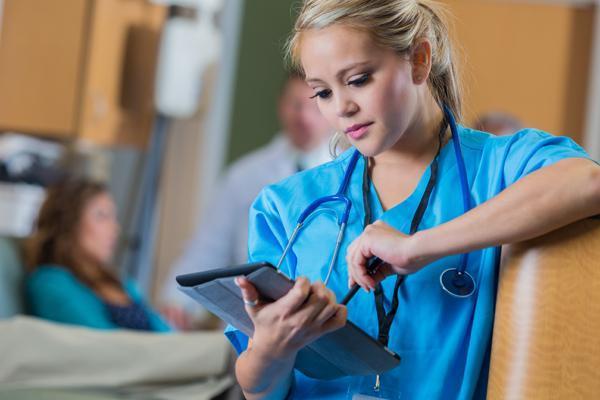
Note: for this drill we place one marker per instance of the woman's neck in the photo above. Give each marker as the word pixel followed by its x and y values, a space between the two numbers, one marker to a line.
pixel 419 144
pixel 100 279
pixel 395 173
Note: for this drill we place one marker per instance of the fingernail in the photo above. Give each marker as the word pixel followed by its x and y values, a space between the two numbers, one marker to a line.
pixel 237 281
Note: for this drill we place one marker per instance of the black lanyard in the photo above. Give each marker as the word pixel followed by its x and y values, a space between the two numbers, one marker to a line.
pixel 385 319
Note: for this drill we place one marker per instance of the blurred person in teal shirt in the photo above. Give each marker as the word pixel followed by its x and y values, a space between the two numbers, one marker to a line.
pixel 69 254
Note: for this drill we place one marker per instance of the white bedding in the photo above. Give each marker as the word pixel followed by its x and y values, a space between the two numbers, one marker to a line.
pixel 36 353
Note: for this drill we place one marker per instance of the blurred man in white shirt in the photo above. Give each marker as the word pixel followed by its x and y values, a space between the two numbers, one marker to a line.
pixel 221 239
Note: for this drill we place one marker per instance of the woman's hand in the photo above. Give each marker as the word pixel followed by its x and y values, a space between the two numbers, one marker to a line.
pixel 283 327
pixel 398 251
pixel 176 317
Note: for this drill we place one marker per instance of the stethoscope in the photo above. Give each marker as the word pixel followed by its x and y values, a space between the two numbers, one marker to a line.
pixel 456 282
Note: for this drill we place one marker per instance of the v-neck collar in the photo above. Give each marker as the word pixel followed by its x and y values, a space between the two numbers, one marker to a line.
pixel 407 207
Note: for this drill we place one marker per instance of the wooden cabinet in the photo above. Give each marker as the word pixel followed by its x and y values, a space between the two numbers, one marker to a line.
pixel 530 59
pixel 79 68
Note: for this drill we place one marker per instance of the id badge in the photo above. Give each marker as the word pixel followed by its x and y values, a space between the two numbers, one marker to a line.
pixel 372 388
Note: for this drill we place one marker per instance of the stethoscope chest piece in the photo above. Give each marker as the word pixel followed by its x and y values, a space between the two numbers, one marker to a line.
pixel 457 283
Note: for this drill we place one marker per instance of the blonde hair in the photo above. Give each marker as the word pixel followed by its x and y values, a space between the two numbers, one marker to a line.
pixel 394 24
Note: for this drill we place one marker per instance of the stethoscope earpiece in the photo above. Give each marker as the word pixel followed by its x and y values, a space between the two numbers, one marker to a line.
pixel 457 283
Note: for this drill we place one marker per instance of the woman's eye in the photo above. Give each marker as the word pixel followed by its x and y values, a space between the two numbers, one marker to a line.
pixel 102 214
pixel 322 94
pixel 361 80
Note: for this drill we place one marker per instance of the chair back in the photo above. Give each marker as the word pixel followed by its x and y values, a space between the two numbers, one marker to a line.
pixel 546 340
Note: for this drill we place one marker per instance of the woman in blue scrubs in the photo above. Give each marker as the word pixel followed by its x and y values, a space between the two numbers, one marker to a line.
pixel 424 191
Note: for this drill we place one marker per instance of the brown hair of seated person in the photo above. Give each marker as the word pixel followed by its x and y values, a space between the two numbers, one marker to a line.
pixel 76 218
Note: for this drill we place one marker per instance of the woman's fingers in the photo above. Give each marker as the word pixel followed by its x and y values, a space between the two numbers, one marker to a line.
pixel 378 239
pixel 305 313
pixel 249 294
pixel 383 272
pixel 337 321
pixel 326 313
pixel 350 255
pixel 357 260
pixel 320 297
pixel 296 297
pixel 363 278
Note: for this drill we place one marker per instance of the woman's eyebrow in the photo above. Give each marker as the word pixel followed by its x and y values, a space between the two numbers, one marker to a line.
pixel 340 74
pixel 345 70
pixel 313 80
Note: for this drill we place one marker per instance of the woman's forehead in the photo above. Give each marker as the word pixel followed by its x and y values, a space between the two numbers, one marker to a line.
pixel 102 199
pixel 335 45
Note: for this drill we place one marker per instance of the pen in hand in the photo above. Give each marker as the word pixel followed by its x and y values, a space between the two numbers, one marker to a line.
pixel 374 264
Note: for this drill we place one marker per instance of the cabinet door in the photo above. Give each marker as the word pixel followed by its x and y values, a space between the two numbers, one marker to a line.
pixel 530 59
pixel 41 56
pixel 118 106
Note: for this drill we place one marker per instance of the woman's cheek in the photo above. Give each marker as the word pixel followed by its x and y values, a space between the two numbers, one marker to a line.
pixel 328 111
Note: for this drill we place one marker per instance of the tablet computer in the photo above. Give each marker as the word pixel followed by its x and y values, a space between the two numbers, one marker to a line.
pixel 346 351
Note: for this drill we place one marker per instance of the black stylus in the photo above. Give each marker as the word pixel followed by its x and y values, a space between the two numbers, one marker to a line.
pixel 374 263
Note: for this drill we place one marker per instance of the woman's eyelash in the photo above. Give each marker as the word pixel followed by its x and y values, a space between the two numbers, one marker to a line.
pixel 360 80
pixel 322 94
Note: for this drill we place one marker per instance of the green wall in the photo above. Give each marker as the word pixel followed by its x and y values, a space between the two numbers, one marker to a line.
pixel 266 25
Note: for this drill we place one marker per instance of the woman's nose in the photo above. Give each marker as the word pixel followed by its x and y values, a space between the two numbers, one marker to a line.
pixel 346 107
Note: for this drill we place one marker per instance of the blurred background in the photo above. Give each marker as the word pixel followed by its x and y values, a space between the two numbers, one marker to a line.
pixel 156 98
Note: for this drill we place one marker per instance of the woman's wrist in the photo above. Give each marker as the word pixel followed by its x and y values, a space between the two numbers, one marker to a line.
pixel 263 375
pixel 270 348
pixel 424 247
pixel 452 237
pixel 271 354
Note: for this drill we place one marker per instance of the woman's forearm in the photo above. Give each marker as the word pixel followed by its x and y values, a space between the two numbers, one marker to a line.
pixel 263 377
pixel 543 201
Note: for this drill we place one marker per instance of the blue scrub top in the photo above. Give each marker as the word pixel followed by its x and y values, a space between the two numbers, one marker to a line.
pixel 444 341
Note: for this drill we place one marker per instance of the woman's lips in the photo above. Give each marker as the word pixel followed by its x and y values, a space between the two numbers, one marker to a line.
pixel 357 131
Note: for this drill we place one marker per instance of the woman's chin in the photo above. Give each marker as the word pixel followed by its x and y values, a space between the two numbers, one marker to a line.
pixel 368 148
pixel 103 259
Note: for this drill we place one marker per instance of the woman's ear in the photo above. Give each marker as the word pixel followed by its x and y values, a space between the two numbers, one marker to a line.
pixel 421 61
